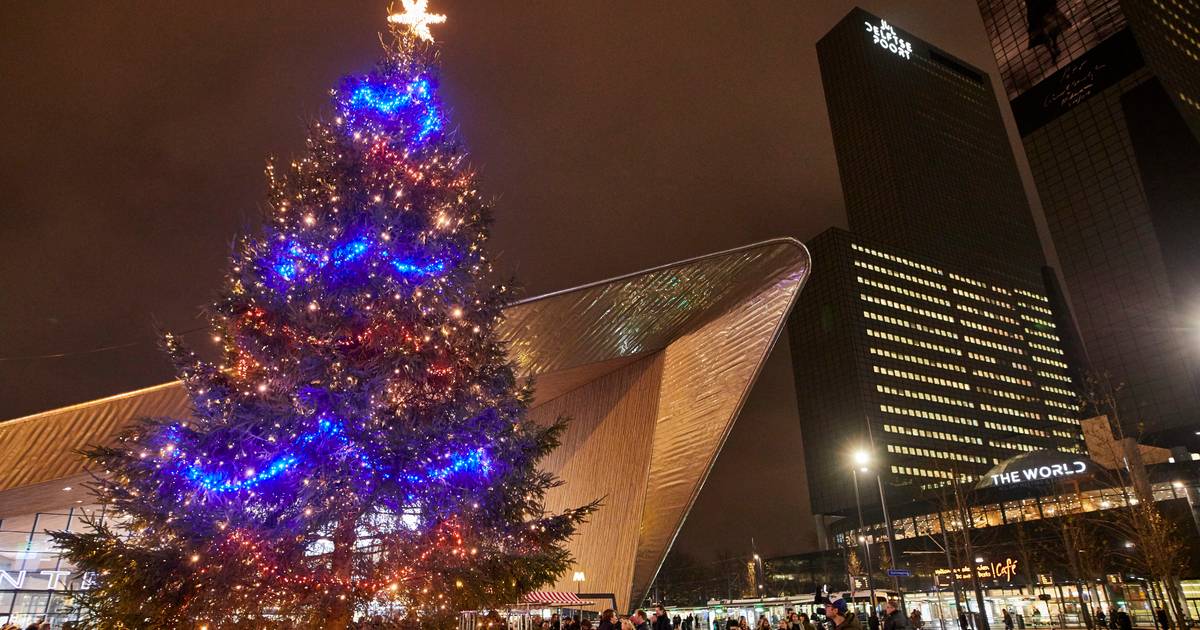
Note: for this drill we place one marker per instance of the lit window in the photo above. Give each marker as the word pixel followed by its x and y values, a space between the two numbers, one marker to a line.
pixel 895 289
pixel 907 324
pixel 918 360
pixel 913 342
pixel 903 261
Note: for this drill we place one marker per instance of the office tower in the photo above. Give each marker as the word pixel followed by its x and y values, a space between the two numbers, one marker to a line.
pixel 946 370
pixel 1104 93
pixel 922 151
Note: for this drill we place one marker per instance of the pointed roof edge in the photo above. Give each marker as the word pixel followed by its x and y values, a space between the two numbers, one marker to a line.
pixel 679 263
pixel 777 332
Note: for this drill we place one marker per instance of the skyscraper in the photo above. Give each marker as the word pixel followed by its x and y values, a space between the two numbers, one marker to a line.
pixel 945 370
pixel 925 333
pixel 922 151
pixel 1104 93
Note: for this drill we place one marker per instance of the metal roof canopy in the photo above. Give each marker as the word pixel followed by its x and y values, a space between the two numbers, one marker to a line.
pixel 696 332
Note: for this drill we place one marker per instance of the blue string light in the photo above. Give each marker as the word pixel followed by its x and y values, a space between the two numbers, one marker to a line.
pixel 327 431
pixel 472 461
pixel 294 261
pixel 374 101
pixel 414 269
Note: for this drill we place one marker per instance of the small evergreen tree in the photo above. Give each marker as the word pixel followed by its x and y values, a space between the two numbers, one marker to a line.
pixel 364 443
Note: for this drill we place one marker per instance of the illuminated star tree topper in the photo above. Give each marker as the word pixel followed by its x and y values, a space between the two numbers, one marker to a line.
pixel 417 18
pixel 362 445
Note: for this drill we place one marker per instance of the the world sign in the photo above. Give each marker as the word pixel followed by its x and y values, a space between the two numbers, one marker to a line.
pixel 885 36
pixel 1039 473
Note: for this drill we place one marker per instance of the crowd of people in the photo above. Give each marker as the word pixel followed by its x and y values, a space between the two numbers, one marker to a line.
pixel 838 615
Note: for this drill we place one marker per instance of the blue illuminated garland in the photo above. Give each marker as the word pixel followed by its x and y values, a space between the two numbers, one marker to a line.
pixel 374 101
pixel 293 261
pixel 326 431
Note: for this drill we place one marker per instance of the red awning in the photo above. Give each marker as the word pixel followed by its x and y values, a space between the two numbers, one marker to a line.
pixel 553 598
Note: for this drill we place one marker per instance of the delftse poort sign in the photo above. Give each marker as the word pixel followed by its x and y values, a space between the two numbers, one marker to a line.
pixel 1039 473
pixel 886 37
pixel 1004 571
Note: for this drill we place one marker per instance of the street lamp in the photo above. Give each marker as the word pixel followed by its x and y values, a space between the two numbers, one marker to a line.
pixel 578 579
pixel 861 459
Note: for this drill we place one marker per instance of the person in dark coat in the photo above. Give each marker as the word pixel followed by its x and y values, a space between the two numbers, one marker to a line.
pixel 1124 622
pixel 1164 621
pixel 1008 620
pixel 893 617
pixel 837 611
pixel 661 620
pixel 639 620
pixel 608 620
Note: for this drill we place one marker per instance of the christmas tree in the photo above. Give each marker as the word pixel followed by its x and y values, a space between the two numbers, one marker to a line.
pixel 363 448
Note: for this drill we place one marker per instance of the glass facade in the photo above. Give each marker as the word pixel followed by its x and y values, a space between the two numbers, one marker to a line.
pixel 35 582
pixel 1117 172
pixel 1025 510
pixel 1032 40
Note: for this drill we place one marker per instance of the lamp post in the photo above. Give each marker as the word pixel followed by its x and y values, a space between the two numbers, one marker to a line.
pixel 861 459
pixel 578 578
pixel 759 577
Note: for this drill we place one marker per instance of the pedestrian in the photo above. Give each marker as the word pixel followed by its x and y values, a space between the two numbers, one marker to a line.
pixel 764 623
pixel 1101 619
pixel 743 624
pixel 893 617
pixel 1123 620
pixel 1008 620
pixel 840 614
pixel 914 619
pixel 586 624
pixel 962 620
pixel 1164 621
pixel 641 621
pixel 676 622
pixel 803 621
pixel 627 624
pixel 554 624
pixel 873 620
pixel 607 620
pixel 661 620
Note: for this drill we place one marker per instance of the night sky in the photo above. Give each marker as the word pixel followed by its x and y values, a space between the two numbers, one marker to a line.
pixel 614 136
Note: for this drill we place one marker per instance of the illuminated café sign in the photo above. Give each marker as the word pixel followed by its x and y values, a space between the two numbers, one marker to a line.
pixel 886 37
pixel 1005 570
pixel 1039 473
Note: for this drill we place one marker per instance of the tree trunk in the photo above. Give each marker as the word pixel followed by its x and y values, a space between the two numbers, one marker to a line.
pixel 341 608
